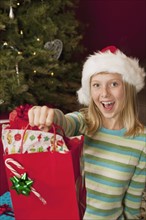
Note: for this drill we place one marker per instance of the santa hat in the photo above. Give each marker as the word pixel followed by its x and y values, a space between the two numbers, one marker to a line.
pixel 111 60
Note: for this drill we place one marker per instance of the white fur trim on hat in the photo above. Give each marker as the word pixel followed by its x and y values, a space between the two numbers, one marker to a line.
pixel 110 62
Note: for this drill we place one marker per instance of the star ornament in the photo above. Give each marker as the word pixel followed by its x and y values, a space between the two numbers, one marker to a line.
pixel 22 185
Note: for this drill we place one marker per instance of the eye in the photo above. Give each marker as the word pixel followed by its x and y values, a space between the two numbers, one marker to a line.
pixel 96 85
pixel 114 84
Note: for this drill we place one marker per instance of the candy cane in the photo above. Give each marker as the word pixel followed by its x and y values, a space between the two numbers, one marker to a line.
pixel 10 160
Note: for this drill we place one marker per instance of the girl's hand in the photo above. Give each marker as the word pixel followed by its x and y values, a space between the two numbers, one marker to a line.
pixel 42 117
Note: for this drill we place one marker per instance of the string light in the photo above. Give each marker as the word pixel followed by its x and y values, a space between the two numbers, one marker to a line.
pixel 52 74
pixel 38 39
pixel 5 44
pixel 34 71
pixel 34 53
pixel 21 32
pixel 1 101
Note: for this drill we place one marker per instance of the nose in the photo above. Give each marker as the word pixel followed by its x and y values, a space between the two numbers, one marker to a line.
pixel 105 92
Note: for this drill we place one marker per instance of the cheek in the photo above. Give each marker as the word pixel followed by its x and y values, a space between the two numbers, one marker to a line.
pixel 121 97
pixel 94 94
pixel 121 93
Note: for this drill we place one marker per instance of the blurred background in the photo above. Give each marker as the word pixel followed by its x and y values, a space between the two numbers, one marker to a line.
pixel 44 44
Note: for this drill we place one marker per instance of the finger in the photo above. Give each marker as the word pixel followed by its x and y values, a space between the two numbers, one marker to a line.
pixel 43 115
pixel 31 116
pixel 37 113
pixel 50 117
pixel 44 128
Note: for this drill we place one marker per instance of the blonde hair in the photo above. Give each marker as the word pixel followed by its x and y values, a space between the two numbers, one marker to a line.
pixel 129 114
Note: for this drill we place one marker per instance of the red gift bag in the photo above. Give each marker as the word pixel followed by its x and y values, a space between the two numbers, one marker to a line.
pixel 50 183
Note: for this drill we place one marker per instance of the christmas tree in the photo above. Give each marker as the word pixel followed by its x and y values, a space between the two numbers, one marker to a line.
pixel 40 45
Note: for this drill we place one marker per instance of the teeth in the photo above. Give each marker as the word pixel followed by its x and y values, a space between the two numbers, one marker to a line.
pixel 107 103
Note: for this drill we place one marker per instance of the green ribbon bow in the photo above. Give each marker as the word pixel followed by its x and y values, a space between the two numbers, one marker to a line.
pixel 22 185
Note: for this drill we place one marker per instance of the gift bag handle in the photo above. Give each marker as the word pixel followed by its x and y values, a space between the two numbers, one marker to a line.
pixel 21 145
pixel 54 127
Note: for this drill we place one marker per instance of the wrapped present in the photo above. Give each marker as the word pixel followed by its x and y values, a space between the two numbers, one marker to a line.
pixel 43 172
pixel 6 209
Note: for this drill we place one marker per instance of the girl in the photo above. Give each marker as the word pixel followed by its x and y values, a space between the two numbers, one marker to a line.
pixel 114 152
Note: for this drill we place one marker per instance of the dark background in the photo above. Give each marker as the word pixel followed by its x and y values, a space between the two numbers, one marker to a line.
pixel 116 22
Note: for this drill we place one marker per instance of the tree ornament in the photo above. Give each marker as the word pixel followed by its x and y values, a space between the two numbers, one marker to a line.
pixel 17 73
pixel 55 47
pixel 7 46
pixel 11 14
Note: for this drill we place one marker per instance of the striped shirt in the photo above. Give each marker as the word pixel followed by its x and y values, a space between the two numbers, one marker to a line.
pixel 115 169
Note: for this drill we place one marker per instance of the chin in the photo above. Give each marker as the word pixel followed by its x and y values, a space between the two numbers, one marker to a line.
pixel 109 114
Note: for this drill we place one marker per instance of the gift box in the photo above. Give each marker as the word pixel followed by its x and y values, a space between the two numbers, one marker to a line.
pixel 43 172
pixel 6 209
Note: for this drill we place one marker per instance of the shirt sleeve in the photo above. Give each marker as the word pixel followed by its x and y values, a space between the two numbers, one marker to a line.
pixel 133 197
pixel 73 123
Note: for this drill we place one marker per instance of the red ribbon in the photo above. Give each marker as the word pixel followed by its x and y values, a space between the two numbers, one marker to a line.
pixel 6 210
pixel 22 111
pixel 19 117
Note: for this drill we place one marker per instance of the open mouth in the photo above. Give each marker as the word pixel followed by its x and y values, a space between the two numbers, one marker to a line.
pixel 108 105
